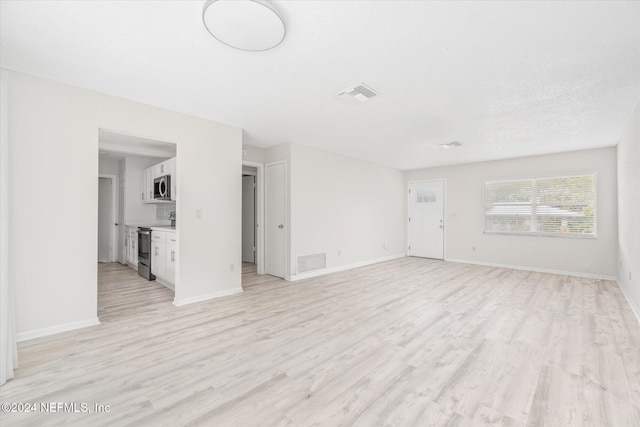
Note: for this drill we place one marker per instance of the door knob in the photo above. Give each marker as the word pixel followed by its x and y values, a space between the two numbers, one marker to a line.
pixel 281 226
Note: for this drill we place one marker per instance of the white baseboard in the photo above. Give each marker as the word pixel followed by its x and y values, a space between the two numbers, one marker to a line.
pixel 38 333
pixel 634 307
pixel 200 298
pixel 324 271
pixel 539 270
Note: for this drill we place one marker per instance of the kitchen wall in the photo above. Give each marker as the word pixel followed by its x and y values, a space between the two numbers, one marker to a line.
pixel 164 210
pixel 349 209
pixel 136 212
pixel 629 211
pixel 464 215
pixel 51 123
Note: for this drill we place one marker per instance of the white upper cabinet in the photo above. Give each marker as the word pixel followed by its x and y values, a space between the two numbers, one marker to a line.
pixel 156 171
pixel 172 169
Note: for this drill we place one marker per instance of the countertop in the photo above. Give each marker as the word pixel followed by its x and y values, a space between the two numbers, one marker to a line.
pixel 157 227
pixel 163 228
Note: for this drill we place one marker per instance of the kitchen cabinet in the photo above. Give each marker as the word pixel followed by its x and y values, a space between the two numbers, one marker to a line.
pixel 158 252
pixel 147 186
pixel 131 246
pixel 156 171
pixel 172 172
pixel 164 255
pixel 172 255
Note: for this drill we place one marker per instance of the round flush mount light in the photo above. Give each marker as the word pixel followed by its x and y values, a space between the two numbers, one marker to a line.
pixel 251 25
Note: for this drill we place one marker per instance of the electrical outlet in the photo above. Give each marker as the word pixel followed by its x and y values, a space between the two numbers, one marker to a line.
pixel 384 245
pixel 339 253
pixel 232 266
pixel 586 266
pixel 198 213
pixel 474 249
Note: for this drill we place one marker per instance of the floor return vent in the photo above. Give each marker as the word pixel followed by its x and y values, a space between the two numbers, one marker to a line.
pixel 312 262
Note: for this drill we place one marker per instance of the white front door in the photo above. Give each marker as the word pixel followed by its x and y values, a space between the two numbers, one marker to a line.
pixel 275 219
pixel 248 218
pixel 426 219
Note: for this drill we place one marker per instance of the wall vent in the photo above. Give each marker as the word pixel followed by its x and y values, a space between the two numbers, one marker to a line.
pixel 312 262
pixel 357 94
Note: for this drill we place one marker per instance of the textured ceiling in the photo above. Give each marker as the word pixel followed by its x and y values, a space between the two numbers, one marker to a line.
pixel 506 79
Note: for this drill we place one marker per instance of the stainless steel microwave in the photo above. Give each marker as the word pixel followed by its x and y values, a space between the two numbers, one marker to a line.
pixel 162 188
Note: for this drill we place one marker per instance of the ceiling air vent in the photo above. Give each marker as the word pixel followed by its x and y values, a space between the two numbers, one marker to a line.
pixel 357 94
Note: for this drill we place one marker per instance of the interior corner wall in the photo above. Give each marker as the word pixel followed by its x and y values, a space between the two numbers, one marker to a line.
pixel 629 211
pixel 464 217
pixel 347 208
pixel 53 124
pixel 253 154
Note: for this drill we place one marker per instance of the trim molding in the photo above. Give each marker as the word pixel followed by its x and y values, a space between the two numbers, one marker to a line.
pixel 38 333
pixel 634 308
pixel 205 297
pixel 324 271
pixel 540 270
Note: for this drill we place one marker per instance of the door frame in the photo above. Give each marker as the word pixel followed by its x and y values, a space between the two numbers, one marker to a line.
pixel 287 273
pixel 259 214
pixel 113 208
pixel 444 212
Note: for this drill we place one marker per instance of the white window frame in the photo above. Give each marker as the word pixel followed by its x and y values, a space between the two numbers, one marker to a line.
pixel 593 235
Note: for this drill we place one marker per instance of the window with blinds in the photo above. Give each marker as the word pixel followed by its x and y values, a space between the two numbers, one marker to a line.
pixel 557 206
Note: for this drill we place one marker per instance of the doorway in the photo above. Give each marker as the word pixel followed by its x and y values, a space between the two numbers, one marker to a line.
pixel 107 208
pixel 128 160
pixel 426 219
pixel 253 183
pixel 248 215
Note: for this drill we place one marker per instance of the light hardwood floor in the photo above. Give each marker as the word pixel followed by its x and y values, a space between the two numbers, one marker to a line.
pixel 405 342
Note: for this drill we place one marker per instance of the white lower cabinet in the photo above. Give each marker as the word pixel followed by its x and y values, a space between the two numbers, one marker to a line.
pixel 172 256
pixel 131 246
pixel 164 256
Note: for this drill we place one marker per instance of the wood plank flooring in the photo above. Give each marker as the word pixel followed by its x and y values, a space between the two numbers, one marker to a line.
pixel 409 342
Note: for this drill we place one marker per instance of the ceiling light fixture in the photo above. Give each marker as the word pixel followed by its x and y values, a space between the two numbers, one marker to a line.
pixel 451 145
pixel 251 25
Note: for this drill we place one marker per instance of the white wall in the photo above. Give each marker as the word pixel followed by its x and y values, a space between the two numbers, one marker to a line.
pixel 8 348
pixel 136 212
pixel 629 211
pixel 254 154
pixel 53 124
pixel 464 215
pixel 344 207
pixel 108 165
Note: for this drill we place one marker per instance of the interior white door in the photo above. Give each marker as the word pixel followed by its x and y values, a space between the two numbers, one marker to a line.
pixel 249 218
pixel 275 208
pixel 104 220
pixel 426 219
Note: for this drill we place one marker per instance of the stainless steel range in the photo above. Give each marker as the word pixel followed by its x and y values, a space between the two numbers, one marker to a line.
pixel 144 253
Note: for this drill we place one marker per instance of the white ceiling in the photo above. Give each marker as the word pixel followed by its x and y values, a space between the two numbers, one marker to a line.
pixel 506 79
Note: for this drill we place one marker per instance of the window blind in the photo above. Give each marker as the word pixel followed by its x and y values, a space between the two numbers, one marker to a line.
pixel 556 206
